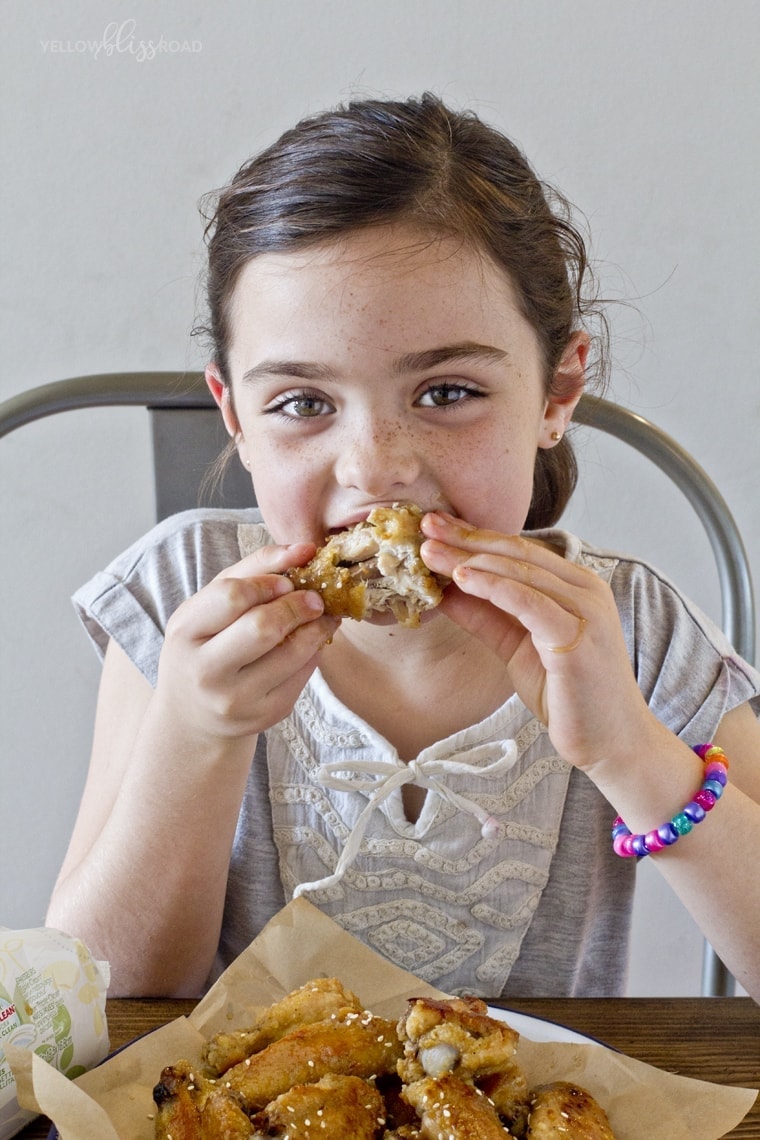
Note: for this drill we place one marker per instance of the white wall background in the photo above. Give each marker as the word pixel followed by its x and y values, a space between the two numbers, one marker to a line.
pixel 645 113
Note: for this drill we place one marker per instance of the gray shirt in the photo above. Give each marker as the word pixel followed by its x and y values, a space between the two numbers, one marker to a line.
pixel 541 907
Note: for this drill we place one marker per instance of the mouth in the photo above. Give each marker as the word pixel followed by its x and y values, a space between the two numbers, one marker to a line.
pixel 361 516
pixel 374 566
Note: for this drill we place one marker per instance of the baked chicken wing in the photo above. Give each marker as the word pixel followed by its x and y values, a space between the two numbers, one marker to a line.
pixel 454 1109
pixel 458 1038
pixel 336 1106
pixel 189 1107
pixel 318 1000
pixel 359 1046
pixel 564 1111
pixel 222 1118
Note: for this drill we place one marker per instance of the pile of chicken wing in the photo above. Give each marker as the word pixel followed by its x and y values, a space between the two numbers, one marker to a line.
pixel 317 1064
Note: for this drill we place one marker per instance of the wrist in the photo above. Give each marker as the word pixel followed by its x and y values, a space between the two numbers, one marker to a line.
pixel 183 734
pixel 694 811
pixel 650 781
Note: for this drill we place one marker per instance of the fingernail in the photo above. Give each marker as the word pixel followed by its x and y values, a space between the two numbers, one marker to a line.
pixel 452 520
pixel 313 601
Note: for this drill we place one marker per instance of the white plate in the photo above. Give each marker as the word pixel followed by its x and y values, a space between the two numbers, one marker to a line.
pixel 536 1029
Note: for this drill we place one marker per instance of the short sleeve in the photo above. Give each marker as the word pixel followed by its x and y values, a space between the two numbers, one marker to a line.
pixel 685 667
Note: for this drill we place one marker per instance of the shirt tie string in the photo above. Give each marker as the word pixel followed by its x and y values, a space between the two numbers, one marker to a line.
pixel 427 772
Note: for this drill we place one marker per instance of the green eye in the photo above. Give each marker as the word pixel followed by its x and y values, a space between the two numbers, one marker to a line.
pixel 301 406
pixel 305 406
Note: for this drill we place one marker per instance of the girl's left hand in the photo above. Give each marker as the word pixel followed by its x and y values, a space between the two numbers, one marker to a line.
pixel 555 625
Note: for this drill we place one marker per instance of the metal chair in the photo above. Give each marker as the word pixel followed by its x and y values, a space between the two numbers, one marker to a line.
pixel 188 436
pixel 186 428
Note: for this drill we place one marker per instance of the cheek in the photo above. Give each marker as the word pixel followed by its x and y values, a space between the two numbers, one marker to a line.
pixel 287 493
pixel 494 489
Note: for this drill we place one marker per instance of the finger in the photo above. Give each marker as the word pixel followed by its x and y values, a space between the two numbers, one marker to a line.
pixel 279 678
pixel 285 662
pixel 261 629
pixel 453 540
pixel 247 696
pixel 555 623
pixel 454 563
pixel 270 560
pixel 501 632
pixel 222 602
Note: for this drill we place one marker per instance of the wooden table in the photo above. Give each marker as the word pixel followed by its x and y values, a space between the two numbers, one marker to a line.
pixel 713 1039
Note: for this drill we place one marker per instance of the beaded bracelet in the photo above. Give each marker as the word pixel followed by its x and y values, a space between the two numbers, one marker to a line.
pixel 715 779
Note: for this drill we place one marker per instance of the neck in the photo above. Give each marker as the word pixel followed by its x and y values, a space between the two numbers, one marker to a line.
pixel 414 686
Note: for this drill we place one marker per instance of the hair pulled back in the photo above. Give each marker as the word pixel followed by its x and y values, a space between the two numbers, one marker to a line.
pixel 374 162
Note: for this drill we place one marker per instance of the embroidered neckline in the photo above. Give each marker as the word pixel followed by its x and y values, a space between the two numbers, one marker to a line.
pixel 427 771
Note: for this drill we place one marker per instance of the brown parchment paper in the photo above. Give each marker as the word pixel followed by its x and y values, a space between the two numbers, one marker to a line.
pixel 114 1101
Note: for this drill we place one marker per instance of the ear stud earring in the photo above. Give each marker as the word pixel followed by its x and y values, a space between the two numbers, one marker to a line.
pixel 556 436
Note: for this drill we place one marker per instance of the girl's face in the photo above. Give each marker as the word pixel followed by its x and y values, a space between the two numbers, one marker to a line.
pixel 382 367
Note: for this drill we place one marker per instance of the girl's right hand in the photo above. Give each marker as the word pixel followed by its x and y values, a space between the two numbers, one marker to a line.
pixel 238 653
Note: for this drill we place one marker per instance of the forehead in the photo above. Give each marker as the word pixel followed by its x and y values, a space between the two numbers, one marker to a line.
pixel 392 287
pixel 388 266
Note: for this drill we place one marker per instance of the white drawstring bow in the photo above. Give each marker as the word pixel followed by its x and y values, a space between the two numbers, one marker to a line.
pixel 425 772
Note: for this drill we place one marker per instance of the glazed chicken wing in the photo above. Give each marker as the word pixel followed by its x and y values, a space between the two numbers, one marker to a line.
pixel 563 1111
pixel 455 1110
pixel 222 1118
pixel 318 1000
pixel 458 1037
pixel 334 1106
pixel 188 1107
pixel 358 1046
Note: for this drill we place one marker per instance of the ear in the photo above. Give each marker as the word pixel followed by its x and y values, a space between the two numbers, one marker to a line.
pixel 567 388
pixel 223 399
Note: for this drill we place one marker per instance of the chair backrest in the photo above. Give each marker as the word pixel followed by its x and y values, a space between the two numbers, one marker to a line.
pixel 188 437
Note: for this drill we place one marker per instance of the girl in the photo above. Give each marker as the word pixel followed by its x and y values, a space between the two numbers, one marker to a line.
pixel 397 313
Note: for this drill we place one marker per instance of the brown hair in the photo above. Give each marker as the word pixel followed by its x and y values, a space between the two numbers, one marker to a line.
pixel 376 161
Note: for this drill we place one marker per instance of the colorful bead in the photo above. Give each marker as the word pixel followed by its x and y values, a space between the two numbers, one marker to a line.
pixel 715 780
pixel 682 823
pixel 694 811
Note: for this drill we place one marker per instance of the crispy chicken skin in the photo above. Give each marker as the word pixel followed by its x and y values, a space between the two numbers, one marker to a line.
pixel 318 1000
pixel 455 1110
pixel 372 567
pixel 178 1114
pixel 564 1111
pixel 359 1046
pixel 189 1107
pixel 335 1106
pixel 222 1118
pixel 458 1037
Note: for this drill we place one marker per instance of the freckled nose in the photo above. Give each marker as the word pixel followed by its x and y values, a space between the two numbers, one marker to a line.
pixel 378 460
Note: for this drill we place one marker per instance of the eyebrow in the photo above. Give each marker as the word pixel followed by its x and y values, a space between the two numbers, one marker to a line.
pixel 410 362
pixel 448 353
pixel 299 369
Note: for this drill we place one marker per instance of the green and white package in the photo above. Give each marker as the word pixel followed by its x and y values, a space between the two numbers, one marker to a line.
pixel 52 1002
